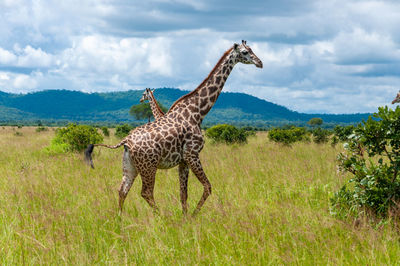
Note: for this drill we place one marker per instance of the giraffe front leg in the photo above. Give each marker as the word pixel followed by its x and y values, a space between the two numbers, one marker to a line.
pixel 196 167
pixel 129 175
pixel 183 182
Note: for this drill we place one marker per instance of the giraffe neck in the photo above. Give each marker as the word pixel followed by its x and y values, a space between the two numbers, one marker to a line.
pixel 155 108
pixel 195 105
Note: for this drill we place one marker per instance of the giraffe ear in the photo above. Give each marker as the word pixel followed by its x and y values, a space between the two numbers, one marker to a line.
pixel 235 46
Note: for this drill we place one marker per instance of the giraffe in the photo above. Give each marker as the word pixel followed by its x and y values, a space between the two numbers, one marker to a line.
pixel 175 139
pixel 155 108
pixel 397 99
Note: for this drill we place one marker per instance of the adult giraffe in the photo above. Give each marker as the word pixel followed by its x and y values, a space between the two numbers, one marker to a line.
pixel 176 138
pixel 155 108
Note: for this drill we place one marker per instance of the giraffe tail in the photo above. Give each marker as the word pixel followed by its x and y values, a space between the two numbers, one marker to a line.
pixel 90 147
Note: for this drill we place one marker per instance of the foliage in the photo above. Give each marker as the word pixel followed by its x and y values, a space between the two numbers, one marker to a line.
pixel 18 134
pixel 143 110
pixel 372 157
pixel 76 137
pixel 227 134
pixel 316 121
pixel 122 130
pixel 288 135
pixel 341 133
pixel 105 131
pixel 41 128
pixel 321 135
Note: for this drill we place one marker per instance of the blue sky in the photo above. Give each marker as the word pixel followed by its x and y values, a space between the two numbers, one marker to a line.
pixel 331 56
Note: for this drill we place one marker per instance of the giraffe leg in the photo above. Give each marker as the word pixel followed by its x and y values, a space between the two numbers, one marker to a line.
pixel 148 181
pixel 183 181
pixel 197 169
pixel 129 175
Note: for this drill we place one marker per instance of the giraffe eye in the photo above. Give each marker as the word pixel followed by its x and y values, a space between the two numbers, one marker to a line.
pixel 245 52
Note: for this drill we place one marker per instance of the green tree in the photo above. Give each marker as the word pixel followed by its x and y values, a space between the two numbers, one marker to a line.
pixel 143 111
pixel 316 121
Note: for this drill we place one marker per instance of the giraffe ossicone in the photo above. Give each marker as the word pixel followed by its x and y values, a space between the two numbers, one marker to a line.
pixel 175 139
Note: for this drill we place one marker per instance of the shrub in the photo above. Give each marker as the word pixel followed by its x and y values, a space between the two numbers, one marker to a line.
pixel 18 134
pixel 342 133
pixel 321 135
pixel 372 157
pixel 75 138
pixel 41 128
pixel 105 131
pixel 227 134
pixel 122 130
pixel 289 135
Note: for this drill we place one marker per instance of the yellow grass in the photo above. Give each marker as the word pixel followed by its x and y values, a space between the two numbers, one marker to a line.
pixel 270 205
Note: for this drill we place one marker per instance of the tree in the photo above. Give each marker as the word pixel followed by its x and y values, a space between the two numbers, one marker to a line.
pixel 316 121
pixel 143 111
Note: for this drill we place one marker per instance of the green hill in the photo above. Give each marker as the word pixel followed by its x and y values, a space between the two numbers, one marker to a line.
pixel 113 107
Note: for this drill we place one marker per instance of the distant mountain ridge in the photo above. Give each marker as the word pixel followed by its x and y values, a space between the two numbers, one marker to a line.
pixel 235 108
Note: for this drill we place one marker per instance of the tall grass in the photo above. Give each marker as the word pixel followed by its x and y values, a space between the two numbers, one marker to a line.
pixel 270 205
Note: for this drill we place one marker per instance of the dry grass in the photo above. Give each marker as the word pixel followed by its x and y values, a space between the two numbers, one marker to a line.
pixel 270 205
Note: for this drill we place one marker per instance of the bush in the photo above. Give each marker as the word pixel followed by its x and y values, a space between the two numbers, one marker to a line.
pixel 18 134
pixel 41 128
pixel 75 138
pixel 372 157
pixel 321 135
pixel 123 130
pixel 105 131
pixel 227 134
pixel 289 135
pixel 342 133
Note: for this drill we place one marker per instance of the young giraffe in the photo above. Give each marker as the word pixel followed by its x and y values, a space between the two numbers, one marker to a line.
pixel 397 99
pixel 155 108
pixel 176 138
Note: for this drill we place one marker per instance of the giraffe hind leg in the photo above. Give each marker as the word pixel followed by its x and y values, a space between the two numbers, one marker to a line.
pixel 148 182
pixel 183 182
pixel 129 175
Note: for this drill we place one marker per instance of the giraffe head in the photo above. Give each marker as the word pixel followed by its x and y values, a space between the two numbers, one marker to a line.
pixel 146 96
pixel 397 99
pixel 245 55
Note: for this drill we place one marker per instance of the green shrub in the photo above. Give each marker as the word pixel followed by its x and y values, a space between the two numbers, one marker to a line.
pixel 320 135
pixel 105 131
pixel 41 128
pixel 18 134
pixel 75 138
pixel 343 132
pixel 289 135
pixel 372 157
pixel 227 134
pixel 122 130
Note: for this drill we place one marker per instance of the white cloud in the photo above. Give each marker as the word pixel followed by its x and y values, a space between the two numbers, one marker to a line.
pixel 328 56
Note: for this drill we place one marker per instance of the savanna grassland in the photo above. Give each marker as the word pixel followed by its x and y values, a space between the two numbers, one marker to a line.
pixel 270 205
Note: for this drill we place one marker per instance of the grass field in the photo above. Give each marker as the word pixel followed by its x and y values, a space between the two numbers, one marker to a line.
pixel 270 205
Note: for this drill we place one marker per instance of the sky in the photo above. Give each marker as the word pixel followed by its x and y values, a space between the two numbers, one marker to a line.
pixel 331 56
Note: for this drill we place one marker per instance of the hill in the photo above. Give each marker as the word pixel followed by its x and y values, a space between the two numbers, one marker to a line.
pixel 113 107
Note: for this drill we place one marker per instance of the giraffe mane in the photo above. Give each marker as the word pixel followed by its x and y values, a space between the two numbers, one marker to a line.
pixel 157 106
pixel 204 81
